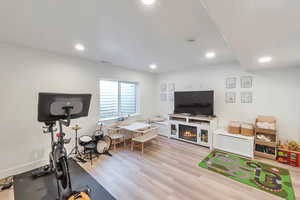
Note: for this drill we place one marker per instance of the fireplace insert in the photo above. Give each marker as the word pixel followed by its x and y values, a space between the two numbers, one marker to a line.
pixel 188 132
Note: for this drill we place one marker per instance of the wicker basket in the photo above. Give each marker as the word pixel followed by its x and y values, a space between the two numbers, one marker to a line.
pixel 247 129
pixel 234 127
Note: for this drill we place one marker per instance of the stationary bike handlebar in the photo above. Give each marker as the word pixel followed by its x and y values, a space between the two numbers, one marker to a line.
pixel 66 122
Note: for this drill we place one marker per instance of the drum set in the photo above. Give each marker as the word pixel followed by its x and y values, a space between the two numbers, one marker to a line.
pixel 99 143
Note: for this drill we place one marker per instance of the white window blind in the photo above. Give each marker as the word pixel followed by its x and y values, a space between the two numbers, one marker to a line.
pixel 127 98
pixel 109 99
pixel 117 99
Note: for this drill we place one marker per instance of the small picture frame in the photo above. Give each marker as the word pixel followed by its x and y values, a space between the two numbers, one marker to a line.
pixel 230 97
pixel 231 83
pixel 246 81
pixel 163 97
pixel 171 97
pixel 246 97
pixel 171 87
pixel 163 87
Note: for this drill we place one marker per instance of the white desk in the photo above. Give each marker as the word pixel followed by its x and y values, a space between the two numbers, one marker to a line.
pixel 134 127
pixel 164 128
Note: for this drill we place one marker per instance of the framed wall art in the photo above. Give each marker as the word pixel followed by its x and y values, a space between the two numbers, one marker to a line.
pixel 163 87
pixel 171 87
pixel 230 97
pixel 163 97
pixel 246 82
pixel 231 83
pixel 171 97
pixel 246 97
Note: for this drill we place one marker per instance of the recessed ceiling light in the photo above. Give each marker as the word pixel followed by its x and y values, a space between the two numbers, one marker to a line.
pixel 210 55
pixel 265 59
pixel 79 47
pixel 148 2
pixel 153 66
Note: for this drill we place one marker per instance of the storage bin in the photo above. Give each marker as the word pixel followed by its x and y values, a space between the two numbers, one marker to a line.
pixel 247 129
pixel 234 127
pixel 267 123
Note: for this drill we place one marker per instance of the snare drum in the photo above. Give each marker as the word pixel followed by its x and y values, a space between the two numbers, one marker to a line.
pixel 97 137
pixel 84 140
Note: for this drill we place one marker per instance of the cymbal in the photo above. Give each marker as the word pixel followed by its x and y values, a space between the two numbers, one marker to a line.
pixel 76 127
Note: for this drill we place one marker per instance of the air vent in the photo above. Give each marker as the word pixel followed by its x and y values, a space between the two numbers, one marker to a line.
pixel 105 62
pixel 191 40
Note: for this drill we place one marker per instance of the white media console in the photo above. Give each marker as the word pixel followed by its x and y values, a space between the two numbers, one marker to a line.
pixel 194 129
pixel 203 131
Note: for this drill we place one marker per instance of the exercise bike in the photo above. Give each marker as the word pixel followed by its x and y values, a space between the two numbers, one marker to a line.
pixel 61 108
pixel 50 127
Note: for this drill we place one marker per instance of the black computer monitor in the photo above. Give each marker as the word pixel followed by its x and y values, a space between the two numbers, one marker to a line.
pixel 52 106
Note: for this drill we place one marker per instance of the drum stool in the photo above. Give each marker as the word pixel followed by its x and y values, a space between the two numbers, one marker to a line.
pixel 90 149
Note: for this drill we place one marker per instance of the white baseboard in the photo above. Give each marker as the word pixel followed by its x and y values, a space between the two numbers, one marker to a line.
pixel 22 168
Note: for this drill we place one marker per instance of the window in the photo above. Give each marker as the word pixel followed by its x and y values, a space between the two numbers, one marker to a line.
pixel 117 98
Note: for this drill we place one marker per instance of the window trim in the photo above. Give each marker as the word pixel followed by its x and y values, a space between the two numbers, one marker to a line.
pixel 137 97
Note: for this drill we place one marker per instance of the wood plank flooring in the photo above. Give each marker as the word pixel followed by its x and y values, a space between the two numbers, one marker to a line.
pixel 169 170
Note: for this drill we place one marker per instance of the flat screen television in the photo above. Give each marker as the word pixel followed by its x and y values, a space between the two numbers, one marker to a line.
pixel 194 103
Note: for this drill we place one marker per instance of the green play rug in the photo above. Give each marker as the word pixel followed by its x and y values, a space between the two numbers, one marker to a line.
pixel 262 176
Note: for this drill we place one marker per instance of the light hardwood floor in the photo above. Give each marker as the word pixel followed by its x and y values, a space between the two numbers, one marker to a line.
pixel 169 170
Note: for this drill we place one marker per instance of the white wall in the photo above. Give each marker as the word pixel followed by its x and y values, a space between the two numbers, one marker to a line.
pixel 276 92
pixel 25 72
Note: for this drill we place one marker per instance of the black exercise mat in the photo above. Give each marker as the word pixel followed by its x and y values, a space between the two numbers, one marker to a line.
pixel 44 188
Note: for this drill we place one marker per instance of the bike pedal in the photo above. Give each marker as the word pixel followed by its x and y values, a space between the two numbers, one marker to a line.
pixel 80 159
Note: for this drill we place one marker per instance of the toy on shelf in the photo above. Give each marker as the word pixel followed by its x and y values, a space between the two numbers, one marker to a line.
pixel 266 125
pixel 289 153
pixel 293 146
pixel 263 137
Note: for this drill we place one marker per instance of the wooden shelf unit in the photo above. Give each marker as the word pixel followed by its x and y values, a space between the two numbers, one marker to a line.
pixel 269 144
pixel 265 155
pixel 268 133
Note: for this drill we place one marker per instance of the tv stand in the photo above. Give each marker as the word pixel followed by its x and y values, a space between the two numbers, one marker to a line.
pixel 193 129
pixel 186 114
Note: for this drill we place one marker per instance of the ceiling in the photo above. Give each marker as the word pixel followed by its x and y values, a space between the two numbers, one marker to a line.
pixel 257 28
pixel 130 34
pixel 124 32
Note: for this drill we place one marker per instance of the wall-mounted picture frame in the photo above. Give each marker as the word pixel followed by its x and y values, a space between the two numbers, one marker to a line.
pixel 246 97
pixel 230 97
pixel 163 87
pixel 171 97
pixel 171 87
pixel 246 82
pixel 230 82
pixel 163 97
